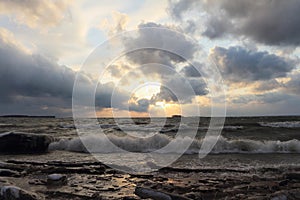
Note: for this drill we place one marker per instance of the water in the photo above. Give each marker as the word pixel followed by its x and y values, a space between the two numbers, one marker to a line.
pixel 245 142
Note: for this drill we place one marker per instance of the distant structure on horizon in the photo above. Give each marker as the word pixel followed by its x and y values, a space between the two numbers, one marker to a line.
pixel 177 116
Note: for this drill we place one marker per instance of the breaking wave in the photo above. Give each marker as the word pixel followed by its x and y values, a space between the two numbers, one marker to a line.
pixel 99 144
pixel 287 124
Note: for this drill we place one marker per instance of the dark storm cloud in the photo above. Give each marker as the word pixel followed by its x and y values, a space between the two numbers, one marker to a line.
pixel 117 70
pixel 32 75
pixel 177 8
pixel 268 85
pixel 182 89
pixel 272 22
pixel 273 97
pixel 39 85
pixel 293 85
pixel 105 93
pixel 173 41
pixel 191 71
pixel 142 105
pixel 266 98
pixel 242 65
pixel 216 27
pixel 165 94
pixel 163 63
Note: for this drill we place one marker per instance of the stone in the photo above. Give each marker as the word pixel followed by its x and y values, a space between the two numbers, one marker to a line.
pixel 145 193
pixel 18 142
pixel 293 175
pixel 16 193
pixel 57 179
pixel 280 197
pixel 9 173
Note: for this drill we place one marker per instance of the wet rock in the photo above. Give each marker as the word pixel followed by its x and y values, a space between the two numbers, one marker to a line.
pixel 295 193
pixel 36 182
pixel 18 142
pixel 145 193
pixel 16 193
pixel 283 183
pixel 293 175
pixel 280 197
pixel 9 173
pixel 57 179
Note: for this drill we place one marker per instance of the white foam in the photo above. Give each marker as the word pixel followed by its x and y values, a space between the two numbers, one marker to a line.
pixel 233 127
pixel 99 144
pixel 4 134
pixel 66 126
pixel 220 127
pixel 4 125
pixel 287 124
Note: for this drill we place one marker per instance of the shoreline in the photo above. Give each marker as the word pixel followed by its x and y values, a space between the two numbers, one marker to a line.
pixel 91 179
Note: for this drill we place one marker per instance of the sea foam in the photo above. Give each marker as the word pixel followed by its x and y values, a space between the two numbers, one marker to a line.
pixel 100 144
pixel 287 124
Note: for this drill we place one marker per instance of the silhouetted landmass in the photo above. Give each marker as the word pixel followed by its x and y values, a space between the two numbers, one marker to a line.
pixel 27 116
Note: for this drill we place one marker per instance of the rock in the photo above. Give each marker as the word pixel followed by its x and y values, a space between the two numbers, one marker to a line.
pixel 9 173
pixel 293 175
pixel 15 193
pixel 57 179
pixel 280 197
pixel 18 142
pixel 283 183
pixel 145 193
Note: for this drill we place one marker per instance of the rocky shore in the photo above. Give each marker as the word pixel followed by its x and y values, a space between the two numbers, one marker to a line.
pixel 23 178
pixel 28 171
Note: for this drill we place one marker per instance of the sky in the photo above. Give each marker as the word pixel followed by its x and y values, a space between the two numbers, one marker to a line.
pixel 236 52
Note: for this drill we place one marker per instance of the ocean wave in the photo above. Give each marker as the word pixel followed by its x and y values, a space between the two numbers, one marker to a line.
pixel 99 144
pixel 286 124
pixel 6 125
pixel 148 128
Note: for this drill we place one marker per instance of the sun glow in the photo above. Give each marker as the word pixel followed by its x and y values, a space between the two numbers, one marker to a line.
pixel 147 90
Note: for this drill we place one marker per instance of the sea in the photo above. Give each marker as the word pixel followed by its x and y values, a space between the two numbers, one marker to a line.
pixel 139 144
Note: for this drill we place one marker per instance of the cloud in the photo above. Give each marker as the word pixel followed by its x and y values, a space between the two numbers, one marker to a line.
pixel 165 64
pixel 216 27
pixel 32 75
pixel 293 85
pixel 181 89
pixel 142 105
pixel 36 83
pixel 173 41
pixel 268 85
pixel 177 8
pixel 267 22
pixel 191 71
pixel 266 98
pixel 117 24
pixel 34 13
pixel 238 64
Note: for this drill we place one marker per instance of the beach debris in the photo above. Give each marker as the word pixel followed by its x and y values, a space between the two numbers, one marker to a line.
pixel 19 142
pixel 16 193
pixel 57 179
